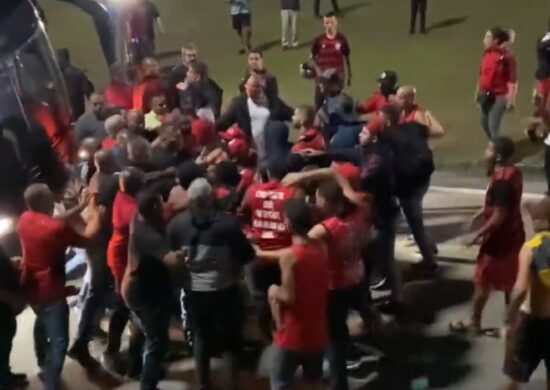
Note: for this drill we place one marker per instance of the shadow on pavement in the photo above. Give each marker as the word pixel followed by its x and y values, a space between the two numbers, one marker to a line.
pixel 268 45
pixel 445 23
pixel 525 148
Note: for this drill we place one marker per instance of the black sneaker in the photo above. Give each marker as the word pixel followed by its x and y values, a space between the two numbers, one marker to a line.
pixel 14 381
pixel 82 355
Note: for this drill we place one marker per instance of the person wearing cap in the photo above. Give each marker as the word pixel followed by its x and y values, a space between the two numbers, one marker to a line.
pixel 501 235
pixel 411 112
pixel 215 251
pixel 331 50
pixel 387 87
pixel 528 314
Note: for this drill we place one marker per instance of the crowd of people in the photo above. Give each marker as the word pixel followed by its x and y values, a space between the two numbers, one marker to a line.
pixel 186 209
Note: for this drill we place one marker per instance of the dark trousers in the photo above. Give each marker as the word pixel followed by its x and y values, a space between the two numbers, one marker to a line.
pixel 216 320
pixel 119 320
pixel 340 302
pixel 8 327
pixel 51 339
pixel 418 7
pixel 411 203
pixel 318 97
pixel 153 321
pixel 260 277
pixel 547 165
pixel 317 6
pixel 96 298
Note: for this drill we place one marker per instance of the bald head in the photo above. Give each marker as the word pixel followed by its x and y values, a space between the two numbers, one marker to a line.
pixel 150 67
pixel 105 162
pixel 39 198
pixel 114 124
pixel 254 86
pixel 87 149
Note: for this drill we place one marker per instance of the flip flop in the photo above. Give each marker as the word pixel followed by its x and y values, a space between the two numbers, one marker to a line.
pixel 461 327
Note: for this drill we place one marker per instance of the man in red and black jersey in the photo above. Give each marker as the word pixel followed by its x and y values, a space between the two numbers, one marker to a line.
pixel 331 50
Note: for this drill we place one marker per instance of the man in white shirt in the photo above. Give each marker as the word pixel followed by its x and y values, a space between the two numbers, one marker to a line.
pixel 258 111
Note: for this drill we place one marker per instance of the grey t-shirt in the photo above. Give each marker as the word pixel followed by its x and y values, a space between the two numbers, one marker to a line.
pixel 88 125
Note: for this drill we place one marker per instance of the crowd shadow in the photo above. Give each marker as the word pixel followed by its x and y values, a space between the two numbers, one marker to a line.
pixel 446 23
pixel 268 45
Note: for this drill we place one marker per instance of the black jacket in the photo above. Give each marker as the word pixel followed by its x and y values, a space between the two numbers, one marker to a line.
pixel 79 88
pixel 271 87
pixel 237 112
pixel 205 93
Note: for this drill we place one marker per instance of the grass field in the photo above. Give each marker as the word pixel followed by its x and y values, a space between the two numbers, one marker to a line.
pixel 443 66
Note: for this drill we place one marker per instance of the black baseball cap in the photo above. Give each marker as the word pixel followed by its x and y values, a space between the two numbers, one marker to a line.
pixel 388 76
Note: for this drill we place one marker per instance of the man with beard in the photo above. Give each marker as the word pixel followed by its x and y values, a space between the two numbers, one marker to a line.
pixel 502 236
pixel 189 54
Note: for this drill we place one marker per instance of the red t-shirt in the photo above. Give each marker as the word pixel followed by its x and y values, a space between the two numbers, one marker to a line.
pixel 267 201
pixel 119 95
pixel 124 210
pixel 247 178
pixel 108 143
pixel 345 239
pixel 44 240
pixel 330 53
pixel 145 91
pixel 304 325
pixel 374 104
pixel 310 139
pixel 498 69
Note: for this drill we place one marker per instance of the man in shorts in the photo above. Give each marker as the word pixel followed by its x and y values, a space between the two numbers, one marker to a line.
pixel 241 18
pixel 528 317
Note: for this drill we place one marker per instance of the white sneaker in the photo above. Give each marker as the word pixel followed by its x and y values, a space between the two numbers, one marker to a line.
pixel 295 44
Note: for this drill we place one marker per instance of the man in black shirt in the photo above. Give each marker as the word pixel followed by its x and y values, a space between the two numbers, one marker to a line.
pixel 147 285
pixel 215 250
pixel 12 303
pixel 78 85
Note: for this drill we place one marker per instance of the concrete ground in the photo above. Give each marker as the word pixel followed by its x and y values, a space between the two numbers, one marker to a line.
pixel 421 347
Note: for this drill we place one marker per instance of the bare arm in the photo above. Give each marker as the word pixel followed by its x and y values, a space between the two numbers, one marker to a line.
pixel 522 284
pixel 273 255
pixel 160 25
pixel 286 292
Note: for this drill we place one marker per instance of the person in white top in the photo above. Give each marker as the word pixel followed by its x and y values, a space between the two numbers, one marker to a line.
pixel 258 111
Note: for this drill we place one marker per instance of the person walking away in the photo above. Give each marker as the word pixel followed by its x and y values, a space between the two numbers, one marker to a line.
pixel 300 302
pixel 147 286
pixel 215 251
pixel 501 237
pixel 242 23
pixel 497 85
pixel 413 166
pixel 317 7
pixel 528 315
pixel 142 18
pixel 289 17
pixel 43 275
pixel 118 93
pixel 387 87
pixel 79 87
pixel 418 8
pixel 331 50
pixel 12 303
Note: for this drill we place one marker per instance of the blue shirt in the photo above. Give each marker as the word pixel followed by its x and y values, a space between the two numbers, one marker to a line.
pixel 240 7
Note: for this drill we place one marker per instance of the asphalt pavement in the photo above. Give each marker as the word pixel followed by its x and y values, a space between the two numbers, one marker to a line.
pixel 421 347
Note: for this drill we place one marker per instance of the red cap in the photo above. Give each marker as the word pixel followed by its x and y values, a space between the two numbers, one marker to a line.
pixel 234 132
pixel 203 131
pixel 348 171
pixel 238 149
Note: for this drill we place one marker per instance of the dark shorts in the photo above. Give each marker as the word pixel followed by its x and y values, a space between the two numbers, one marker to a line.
pixel 532 345
pixel 241 21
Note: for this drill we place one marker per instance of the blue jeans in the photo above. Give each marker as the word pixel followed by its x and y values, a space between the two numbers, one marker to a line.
pixel 384 247
pixel 286 362
pixel 491 120
pixel 51 339
pixel 154 323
